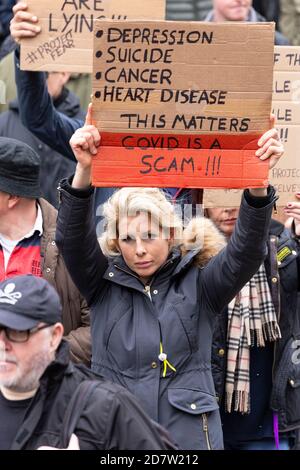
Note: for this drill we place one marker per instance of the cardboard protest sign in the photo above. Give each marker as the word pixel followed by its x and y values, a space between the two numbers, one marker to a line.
pixel 66 40
pixel 286 107
pixel 181 104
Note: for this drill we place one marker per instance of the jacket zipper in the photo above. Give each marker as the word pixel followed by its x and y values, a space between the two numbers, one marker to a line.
pixel 205 429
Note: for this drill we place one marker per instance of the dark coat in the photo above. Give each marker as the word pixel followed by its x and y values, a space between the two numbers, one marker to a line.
pixel 75 313
pixel 111 418
pixel 127 326
pixel 284 282
pixel 54 166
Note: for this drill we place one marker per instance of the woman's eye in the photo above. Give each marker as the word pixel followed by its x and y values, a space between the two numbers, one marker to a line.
pixel 127 239
pixel 152 236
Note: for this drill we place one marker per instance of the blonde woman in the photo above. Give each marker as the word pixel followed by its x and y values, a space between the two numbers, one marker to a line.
pixel 154 289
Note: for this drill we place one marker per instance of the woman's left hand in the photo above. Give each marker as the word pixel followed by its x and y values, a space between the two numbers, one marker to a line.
pixel 270 148
pixel 292 209
pixel 270 145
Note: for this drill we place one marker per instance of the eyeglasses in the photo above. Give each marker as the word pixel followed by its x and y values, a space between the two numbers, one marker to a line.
pixel 17 336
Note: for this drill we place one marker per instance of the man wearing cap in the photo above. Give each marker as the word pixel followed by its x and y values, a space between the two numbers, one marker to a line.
pixel 27 234
pixel 37 380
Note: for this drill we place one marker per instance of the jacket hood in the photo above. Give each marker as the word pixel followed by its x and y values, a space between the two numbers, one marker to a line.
pixel 69 105
pixel 202 240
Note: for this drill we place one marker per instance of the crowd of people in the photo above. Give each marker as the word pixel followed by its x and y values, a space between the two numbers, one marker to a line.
pixel 171 336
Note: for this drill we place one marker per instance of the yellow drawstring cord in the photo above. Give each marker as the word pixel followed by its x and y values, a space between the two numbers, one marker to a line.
pixel 165 362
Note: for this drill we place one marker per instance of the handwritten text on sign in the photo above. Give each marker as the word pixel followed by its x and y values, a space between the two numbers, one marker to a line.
pixel 285 176
pixel 286 107
pixel 66 40
pixel 168 94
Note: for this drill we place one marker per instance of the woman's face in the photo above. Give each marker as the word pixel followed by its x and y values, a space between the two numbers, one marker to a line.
pixel 143 245
pixel 224 218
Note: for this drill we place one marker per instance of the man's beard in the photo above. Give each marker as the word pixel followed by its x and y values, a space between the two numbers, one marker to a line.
pixel 27 375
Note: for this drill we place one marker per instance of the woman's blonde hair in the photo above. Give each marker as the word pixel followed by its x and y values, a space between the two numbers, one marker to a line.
pixel 129 202
pixel 200 234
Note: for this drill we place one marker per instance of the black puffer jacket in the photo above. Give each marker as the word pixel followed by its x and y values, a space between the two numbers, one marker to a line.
pixel 54 166
pixel 284 282
pixel 111 419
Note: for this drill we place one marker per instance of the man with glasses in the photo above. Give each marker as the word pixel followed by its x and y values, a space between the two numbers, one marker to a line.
pixel 37 380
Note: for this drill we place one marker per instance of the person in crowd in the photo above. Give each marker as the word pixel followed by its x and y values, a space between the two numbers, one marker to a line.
pixel 53 165
pixel 187 10
pixel 37 381
pixel 239 10
pixel 7 47
pixel 27 239
pixel 154 290
pixel 253 343
pixel 290 20
pixel 269 9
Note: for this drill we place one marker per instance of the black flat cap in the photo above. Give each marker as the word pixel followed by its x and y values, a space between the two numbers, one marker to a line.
pixel 19 169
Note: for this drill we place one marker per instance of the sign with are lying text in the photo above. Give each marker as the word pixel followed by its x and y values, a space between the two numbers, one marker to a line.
pixel 181 104
pixel 66 39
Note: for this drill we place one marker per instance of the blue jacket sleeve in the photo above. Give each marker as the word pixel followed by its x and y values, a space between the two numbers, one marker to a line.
pixel 233 267
pixel 77 241
pixel 38 114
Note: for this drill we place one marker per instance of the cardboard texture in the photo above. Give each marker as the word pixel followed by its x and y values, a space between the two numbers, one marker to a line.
pixel 286 104
pixel 66 40
pixel 286 107
pixel 172 98
pixel 286 58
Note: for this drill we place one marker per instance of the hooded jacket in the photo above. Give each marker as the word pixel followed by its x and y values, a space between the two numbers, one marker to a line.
pixel 177 309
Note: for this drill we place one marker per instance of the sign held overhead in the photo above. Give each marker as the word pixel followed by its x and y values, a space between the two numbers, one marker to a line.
pixel 286 108
pixel 66 40
pixel 181 104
